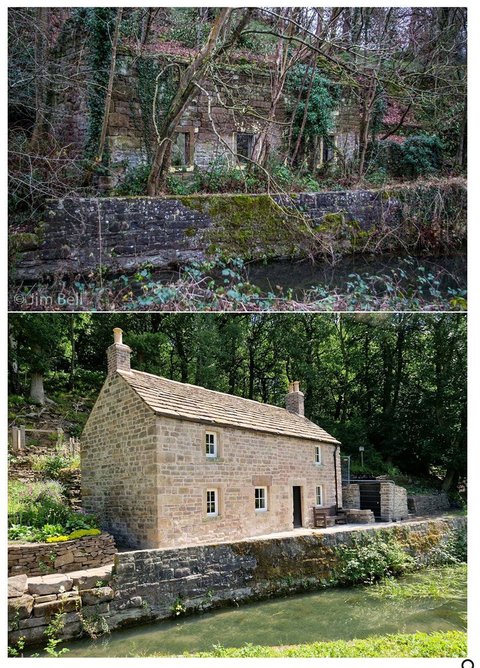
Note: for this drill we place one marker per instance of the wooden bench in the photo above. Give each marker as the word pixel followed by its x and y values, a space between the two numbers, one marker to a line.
pixel 327 517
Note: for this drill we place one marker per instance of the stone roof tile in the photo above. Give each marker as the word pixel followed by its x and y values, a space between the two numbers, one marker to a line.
pixel 191 402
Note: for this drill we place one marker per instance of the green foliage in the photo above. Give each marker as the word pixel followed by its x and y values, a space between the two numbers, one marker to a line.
pixel 452 579
pixel 39 510
pixel 454 551
pixel 370 558
pixel 178 607
pixel 134 182
pixel 419 155
pixel 52 632
pixel 318 106
pixel 186 27
pixel 99 24
pixel 53 464
pixel 418 645
pixel 16 650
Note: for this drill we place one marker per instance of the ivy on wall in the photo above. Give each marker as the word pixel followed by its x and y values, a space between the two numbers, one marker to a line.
pixel 99 24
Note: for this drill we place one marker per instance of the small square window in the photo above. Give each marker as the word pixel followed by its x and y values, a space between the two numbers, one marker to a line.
pixel 319 495
pixel 260 498
pixel 212 502
pixel 211 449
pixel 318 454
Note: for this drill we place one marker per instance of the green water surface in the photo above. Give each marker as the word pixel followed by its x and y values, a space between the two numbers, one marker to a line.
pixel 430 600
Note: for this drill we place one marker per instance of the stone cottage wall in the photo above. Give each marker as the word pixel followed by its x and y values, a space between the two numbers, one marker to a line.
pixel 119 465
pixel 247 459
pixel 41 558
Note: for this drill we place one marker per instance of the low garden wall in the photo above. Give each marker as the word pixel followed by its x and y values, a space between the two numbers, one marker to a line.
pixel 42 558
pixel 426 504
pixel 149 585
pixel 119 234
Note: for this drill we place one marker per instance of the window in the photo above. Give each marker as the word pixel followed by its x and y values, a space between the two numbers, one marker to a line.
pixel 260 498
pixel 318 454
pixel 244 146
pixel 181 150
pixel 319 495
pixel 211 444
pixel 212 502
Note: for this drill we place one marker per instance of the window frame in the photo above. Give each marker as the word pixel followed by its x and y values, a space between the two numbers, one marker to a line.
pixel 265 498
pixel 215 445
pixel 321 504
pixel 216 500
pixel 251 143
pixel 318 455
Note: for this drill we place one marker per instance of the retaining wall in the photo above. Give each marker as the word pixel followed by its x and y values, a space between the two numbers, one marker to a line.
pixel 149 585
pixel 426 504
pixel 42 558
pixel 119 234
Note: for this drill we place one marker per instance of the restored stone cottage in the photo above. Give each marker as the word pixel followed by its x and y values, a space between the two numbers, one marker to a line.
pixel 167 464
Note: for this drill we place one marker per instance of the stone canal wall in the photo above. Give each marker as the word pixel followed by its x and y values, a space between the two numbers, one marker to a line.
pixel 120 234
pixel 150 585
pixel 43 558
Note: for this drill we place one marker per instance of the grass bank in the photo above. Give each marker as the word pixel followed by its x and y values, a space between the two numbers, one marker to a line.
pixel 418 645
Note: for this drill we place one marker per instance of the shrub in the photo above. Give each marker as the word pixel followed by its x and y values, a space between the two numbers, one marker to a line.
pixel 134 182
pixel 53 464
pixel 37 504
pixel 371 558
pixel 419 155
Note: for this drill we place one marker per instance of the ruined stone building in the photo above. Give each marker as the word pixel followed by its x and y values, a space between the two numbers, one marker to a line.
pixel 220 125
pixel 167 464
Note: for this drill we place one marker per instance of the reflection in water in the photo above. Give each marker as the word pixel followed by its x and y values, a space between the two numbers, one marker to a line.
pixel 302 275
pixel 329 615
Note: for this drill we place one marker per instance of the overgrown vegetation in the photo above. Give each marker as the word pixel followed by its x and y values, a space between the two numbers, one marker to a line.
pixel 223 284
pixel 417 645
pixel 39 511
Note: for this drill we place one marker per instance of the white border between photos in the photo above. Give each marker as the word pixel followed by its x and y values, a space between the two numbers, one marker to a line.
pixel 474 339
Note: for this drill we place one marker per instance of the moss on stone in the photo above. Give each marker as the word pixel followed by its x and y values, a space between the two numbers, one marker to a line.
pixel 23 241
pixel 250 226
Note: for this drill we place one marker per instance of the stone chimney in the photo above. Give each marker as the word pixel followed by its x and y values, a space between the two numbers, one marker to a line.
pixel 295 399
pixel 118 354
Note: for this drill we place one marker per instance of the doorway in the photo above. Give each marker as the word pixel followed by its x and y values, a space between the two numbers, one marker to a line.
pixel 297 507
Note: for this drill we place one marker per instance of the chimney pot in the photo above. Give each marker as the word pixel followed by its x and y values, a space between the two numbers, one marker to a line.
pixel 117 335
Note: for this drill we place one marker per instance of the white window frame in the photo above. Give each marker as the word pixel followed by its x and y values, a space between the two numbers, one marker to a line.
pixel 213 455
pixel 318 455
pixel 214 512
pixel 265 499
pixel 317 497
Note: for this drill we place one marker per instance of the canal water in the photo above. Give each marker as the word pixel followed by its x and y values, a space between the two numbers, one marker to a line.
pixel 430 600
pixel 415 273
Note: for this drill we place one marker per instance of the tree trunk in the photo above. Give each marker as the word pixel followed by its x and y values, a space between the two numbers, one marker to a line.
pixel 37 392
pixel 451 480
pixel 108 96
pixel 185 92
pixel 41 59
